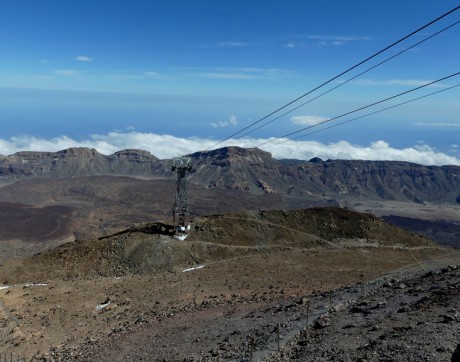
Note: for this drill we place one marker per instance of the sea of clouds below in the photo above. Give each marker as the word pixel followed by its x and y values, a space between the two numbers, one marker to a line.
pixel 167 146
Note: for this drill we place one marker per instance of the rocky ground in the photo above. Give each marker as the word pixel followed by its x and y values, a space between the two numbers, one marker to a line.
pixel 243 286
pixel 401 317
pixel 177 315
pixel 140 295
pixel 407 315
pixel 416 318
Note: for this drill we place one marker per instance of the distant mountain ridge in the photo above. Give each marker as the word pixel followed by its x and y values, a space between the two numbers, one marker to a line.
pixel 73 162
pixel 255 171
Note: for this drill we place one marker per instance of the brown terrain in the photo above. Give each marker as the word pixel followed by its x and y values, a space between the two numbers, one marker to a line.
pixel 236 275
pixel 109 193
pixel 90 270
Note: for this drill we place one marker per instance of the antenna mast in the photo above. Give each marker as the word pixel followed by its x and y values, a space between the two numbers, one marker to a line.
pixel 181 165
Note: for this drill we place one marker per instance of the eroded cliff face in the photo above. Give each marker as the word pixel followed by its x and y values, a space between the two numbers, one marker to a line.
pixel 256 171
pixel 253 170
pixel 386 180
pixel 237 168
pixel 74 162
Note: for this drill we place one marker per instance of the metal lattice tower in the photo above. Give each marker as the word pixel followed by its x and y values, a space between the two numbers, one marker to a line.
pixel 180 210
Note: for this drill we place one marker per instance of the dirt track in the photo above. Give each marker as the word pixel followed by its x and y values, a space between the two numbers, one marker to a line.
pixel 243 327
pixel 208 313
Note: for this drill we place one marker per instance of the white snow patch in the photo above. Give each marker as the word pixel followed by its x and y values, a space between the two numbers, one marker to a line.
pixel 102 306
pixel 35 285
pixel 23 285
pixel 181 237
pixel 194 268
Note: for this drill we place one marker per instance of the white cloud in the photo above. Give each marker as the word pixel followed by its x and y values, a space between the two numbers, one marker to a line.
pixel 408 82
pixel 219 124
pixel 151 74
pixel 291 45
pixel 397 82
pixel 379 150
pixel 167 146
pixel 335 40
pixel 26 143
pixel 83 58
pixel 296 45
pixel 222 75
pixel 232 121
pixel 239 73
pixel 437 124
pixel 224 44
pixel 323 40
pixel 231 44
pixel 307 120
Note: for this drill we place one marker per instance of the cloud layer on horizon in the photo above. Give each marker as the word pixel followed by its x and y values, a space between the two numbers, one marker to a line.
pixel 167 146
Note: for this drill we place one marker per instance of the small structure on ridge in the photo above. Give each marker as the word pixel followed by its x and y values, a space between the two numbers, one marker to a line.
pixel 181 165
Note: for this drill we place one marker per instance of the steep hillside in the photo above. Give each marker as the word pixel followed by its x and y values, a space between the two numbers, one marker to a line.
pixel 386 180
pixel 256 171
pixel 237 168
pixel 149 247
pixel 302 228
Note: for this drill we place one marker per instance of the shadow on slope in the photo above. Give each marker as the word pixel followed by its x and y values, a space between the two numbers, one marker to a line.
pixel 444 233
pixel 148 247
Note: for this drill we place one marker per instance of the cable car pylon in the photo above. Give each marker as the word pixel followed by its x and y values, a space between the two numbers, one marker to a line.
pixel 181 165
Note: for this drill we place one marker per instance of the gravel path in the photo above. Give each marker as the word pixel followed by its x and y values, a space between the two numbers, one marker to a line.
pixel 407 315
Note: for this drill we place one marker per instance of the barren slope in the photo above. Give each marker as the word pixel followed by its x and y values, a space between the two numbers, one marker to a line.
pixel 148 248
pixel 103 205
pixel 253 268
pixel 222 180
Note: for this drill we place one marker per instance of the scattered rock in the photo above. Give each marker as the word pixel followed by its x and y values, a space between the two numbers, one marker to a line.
pixel 456 354
pixel 322 322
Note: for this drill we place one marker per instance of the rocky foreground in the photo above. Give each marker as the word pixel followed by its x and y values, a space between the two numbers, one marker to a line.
pixel 415 319
pixel 242 287
pixel 403 316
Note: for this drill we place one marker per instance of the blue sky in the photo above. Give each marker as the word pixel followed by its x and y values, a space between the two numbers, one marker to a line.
pixel 114 74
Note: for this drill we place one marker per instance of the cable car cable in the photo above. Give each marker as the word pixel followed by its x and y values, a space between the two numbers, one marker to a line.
pixel 339 75
pixel 369 114
pixel 348 80
pixel 361 108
